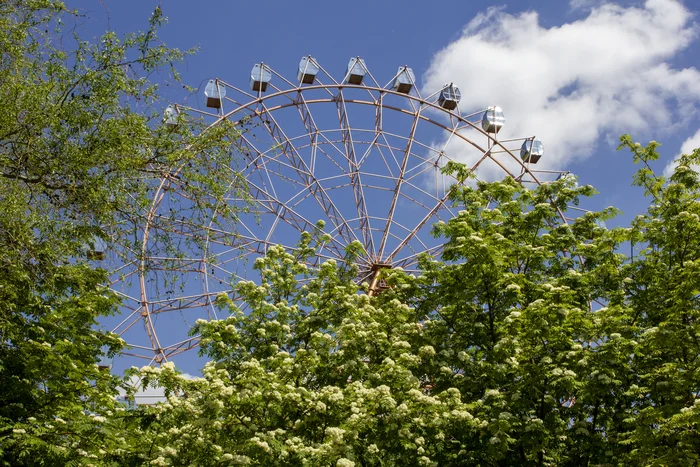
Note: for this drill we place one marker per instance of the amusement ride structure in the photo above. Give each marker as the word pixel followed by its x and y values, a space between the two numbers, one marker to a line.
pixel 362 156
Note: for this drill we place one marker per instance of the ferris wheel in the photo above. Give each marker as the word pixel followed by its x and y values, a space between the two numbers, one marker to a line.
pixel 363 156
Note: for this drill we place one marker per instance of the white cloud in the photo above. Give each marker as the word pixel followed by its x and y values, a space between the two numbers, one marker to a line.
pixel 688 146
pixel 575 84
pixel 583 4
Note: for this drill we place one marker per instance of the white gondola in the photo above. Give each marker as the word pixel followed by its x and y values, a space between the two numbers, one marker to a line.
pixel 260 77
pixel 96 249
pixel 531 151
pixel 214 92
pixel 105 362
pixel 170 117
pixel 449 97
pixel 308 69
pixel 405 79
pixel 355 72
pixel 493 119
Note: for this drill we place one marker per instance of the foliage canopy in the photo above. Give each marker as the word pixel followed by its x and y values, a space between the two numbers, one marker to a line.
pixel 82 149
pixel 528 342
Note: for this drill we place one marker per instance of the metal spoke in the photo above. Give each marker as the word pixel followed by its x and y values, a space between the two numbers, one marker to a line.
pixel 402 173
pixel 353 169
pixel 319 142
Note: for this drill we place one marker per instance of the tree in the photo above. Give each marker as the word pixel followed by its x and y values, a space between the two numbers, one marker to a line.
pixel 82 149
pixel 529 342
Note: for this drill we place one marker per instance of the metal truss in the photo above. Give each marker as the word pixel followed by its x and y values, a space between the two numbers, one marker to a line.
pixel 361 157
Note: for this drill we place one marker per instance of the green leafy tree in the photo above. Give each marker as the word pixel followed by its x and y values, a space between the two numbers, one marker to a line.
pixel 659 417
pixel 82 150
pixel 530 342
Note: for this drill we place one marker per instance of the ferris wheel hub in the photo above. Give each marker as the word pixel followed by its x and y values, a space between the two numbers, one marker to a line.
pixel 376 282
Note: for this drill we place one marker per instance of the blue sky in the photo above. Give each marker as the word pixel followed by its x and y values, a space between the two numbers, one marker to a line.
pixel 576 74
pixel 232 36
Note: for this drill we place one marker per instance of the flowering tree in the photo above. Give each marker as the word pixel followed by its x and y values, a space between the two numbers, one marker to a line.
pixel 81 147
pixel 530 342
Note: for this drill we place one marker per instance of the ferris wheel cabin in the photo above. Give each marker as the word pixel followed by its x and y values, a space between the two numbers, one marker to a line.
pixel 531 151
pixel 449 97
pixel 260 77
pixel 405 79
pixel 493 119
pixel 214 92
pixel 355 72
pixel 308 69
pixel 170 116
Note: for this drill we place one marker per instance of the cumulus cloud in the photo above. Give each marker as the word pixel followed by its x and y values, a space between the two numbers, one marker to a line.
pixel 583 4
pixel 576 84
pixel 688 146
